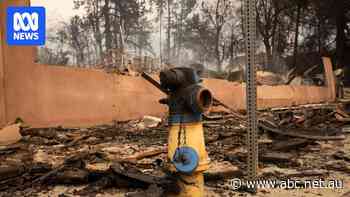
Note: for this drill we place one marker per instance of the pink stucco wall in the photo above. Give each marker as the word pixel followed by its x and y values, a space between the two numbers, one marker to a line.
pixel 44 95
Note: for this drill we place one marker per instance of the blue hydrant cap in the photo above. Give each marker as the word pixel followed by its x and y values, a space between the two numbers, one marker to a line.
pixel 185 159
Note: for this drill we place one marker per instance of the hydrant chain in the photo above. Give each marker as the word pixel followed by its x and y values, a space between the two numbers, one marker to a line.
pixel 181 139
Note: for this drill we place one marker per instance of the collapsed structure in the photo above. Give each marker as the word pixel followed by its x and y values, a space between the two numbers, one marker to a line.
pixel 295 139
pixel 43 95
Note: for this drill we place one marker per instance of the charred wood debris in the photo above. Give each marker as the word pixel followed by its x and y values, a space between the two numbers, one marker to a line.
pixel 129 156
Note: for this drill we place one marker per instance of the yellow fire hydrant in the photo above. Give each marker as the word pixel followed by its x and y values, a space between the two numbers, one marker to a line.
pixel 187 101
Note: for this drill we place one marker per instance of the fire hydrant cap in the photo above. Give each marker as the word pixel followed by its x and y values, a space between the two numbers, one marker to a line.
pixel 186 159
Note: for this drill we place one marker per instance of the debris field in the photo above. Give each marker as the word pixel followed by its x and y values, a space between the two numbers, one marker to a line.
pixel 127 158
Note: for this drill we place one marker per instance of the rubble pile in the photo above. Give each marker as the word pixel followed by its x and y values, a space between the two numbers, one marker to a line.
pixel 129 157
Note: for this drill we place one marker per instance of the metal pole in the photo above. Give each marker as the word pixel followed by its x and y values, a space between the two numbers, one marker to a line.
pixel 250 39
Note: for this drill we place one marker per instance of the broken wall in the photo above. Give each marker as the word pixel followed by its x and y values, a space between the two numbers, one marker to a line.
pixel 44 96
pixel 2 81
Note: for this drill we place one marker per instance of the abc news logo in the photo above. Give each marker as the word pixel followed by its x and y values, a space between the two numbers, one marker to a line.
pixel 26 25
pixel 32 25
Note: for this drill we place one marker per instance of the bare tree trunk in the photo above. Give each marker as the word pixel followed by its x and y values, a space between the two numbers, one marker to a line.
pixel 268 49
pixel 121 35
pixel 98 35
pixel 108 34
pixel 232 46
pixel 319 27
pixel 297 24
pixel 175 42
pixel 168 31
pixel 319 35
pixel 217 50
pixel 340 22
pixel 180 32
pixel 341 56
pixel 160 33
pixel 98 38
pixel 139 47
pixel 119 26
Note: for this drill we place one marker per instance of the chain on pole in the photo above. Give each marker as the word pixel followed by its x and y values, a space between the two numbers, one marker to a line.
pixel 250 39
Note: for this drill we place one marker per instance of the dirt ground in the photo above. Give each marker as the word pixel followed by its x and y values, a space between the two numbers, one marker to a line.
pixel 40 166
